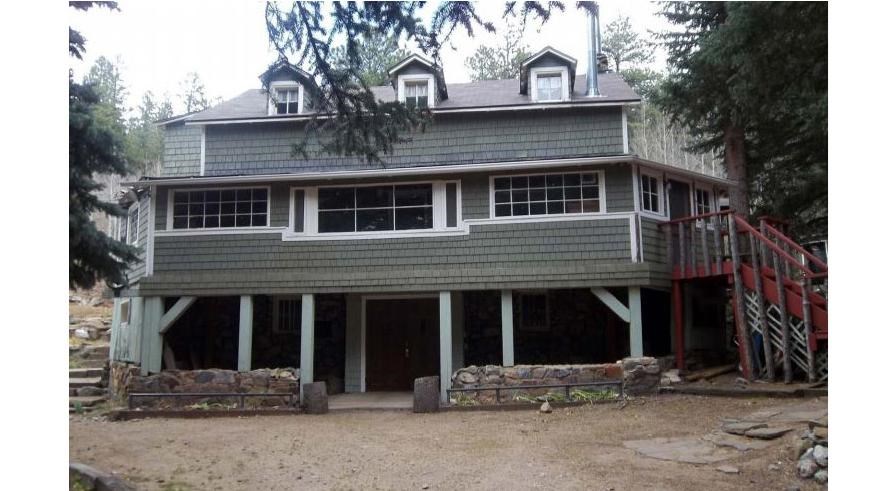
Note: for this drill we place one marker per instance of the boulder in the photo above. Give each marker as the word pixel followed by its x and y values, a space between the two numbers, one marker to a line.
pixel 821 476
pixel 315 398
pixel 767 433
pixel 820 455
pixel 545 408
pixel 426 395
pixel 741 427
pixel 728 469
pixel 466 378
pixel 807 466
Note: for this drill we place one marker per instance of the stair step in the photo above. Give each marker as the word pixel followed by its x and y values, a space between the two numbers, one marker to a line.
pixel 86 401
pixel 86 372
pixel 78 382
pixel 91 363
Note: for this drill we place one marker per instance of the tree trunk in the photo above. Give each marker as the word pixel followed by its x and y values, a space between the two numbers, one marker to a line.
pixel 736 168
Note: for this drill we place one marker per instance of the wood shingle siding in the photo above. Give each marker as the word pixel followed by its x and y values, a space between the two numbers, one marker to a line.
pixel 451 139
pixel 653 239
pixel 181 151
pixel 137 270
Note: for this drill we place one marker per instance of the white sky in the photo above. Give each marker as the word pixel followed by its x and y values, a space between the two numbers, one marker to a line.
pixel 160 41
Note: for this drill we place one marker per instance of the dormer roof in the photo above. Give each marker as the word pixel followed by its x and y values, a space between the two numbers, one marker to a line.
pixel 283 70
pixel 547 56
pixel 414 61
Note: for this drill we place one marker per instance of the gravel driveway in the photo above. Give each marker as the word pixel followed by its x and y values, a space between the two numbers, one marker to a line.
pixel 578 448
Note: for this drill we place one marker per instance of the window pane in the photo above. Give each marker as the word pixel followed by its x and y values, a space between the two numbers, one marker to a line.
pixel 228 208
pixel 179 210
pixel 368 220
pixel 259 207
pixel 555 207
pixel 520 195
pixel 244 207
pixel 211 221
pixel 571 179
pixel 502 197
pixel 590 192
pixel 336 198
pixel 281 108
pixel 195 222
pixel 195 209
pixel 415 194
pixel 417 218
pixel 537 194
pixel 180 222
pixel 538 208
pixel 502 183
pixel 292 108
pixel 554 193
pixel 259 220
pixel 228 195
pixel 520 182
pixel 212 196
pixel 572 193
pixel 227 221
pixel 502 210
pixel 537 181
pixel 244 220
pixel 336 221
pixel 244 194
pixel 212 208
pixel 422 101
pixel 180 198
pixel 573 207
pixel 259 194
pixel 520 209
pixel 196 197
pixel 554 180
pixel 372 197
pixel 591 206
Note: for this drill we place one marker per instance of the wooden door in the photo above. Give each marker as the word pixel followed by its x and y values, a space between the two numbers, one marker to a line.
pixel 402 342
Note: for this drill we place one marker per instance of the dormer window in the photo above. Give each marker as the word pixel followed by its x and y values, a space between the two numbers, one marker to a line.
pixel 416 93
pixel 287 100
pixel 549 87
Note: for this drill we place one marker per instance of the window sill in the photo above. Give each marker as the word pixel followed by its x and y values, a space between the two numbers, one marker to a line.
pixel 288 236
pixel 653 215
pixel 220 231
pixel 549 218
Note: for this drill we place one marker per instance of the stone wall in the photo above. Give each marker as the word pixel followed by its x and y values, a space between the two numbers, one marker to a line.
pixel 120 374
pixel 280 380
pixel 638 376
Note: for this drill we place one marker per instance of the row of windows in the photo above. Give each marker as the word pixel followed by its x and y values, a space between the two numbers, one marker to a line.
pixel 405 206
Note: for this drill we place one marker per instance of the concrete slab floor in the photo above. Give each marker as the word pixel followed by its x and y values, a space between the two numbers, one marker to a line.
pixel 371 400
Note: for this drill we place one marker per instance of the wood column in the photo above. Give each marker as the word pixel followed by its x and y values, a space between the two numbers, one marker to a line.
pixel 509 358
pixel 244 347
pixel 445 343
pixel 307 339
pixel 635 335
pixel 679 331
pixel 153 342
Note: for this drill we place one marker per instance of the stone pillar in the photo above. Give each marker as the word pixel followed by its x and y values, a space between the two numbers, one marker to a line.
pixel 307 337
pixel 635 325
pixel 244 347
pixel 153 341
pixel 507 328
pixel 445 343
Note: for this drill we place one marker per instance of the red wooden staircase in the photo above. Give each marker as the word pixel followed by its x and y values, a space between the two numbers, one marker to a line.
pixel 780 299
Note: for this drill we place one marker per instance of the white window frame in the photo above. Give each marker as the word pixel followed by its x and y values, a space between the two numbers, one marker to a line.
pixel 311 214
pixel 534 73
pixel 709 203
pixel 171 198
pixel 417 77
pixel 661 193
pixel 286 85
pixel 602 197
pixel 135 227
pixel 124 311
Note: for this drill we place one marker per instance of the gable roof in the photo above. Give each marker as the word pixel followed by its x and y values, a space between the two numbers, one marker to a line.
pixel 569 61
pixel 485 95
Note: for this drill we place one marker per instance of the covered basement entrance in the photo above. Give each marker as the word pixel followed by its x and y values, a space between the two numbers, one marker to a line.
pixel 402 342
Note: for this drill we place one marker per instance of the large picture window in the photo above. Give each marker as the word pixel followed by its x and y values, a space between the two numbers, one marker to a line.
pixel 548 194
pixel 220 208
pixel 375 208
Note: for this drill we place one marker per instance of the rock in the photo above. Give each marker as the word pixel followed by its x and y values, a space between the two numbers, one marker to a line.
pixel 741 381
pixel 426 395
pixel 820 455
pixel 82 333
pixel 315 398
pixel 742 427
pixel 802 445
pixel 807 466
pixel 545 408
pixel 728 469
pixel 466 378
pixel 773 467
pixel 767 433
pixel 821 476
pixel 736 442
pixel 91 391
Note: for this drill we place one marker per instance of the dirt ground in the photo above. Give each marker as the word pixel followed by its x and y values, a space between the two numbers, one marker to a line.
pixel 578 448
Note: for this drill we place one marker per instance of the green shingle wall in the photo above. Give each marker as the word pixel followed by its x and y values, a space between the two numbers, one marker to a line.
pixel 451 139
pixel 181 151
pixel 136 271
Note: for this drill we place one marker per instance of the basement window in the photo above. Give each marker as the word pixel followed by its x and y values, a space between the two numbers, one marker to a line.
pixel 220 208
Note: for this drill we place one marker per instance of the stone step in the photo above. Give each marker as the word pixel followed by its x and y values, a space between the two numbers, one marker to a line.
pixel 86 372
pixel 89 363
pixel 86 401
pixel 78 382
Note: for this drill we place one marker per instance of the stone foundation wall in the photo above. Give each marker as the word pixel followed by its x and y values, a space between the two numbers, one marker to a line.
pixel 127 379
pixel 120 374
pixel 638 375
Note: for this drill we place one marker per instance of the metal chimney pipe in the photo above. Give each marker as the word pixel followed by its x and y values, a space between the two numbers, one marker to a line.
pixel 594 45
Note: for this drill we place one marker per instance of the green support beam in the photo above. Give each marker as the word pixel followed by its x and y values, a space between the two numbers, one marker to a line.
pixel 445 343
pixel 153 340
pixel 636 321
pixel 509 358
pixel 244 347
pixel 307 337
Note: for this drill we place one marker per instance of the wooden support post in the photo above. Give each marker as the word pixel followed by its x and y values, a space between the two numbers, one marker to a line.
pixel 507 346
pixel 457 330
pixel 705 249
pixel 808 329
pixel 445 344
pixel 612 303
pixel 760 305
pixel 718 246
pixel 788 342
pixel 244 346
pixel 693 249
pixel 679 332
pixel 175 312
pixel 739 309
pixel 307 339
pixel 635 335
pixel 681 238
pixel 152 338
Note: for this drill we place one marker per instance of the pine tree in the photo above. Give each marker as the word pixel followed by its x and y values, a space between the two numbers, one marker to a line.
pixel 378 53
pixel 193 94
pixel 501 60
pixel 95 148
